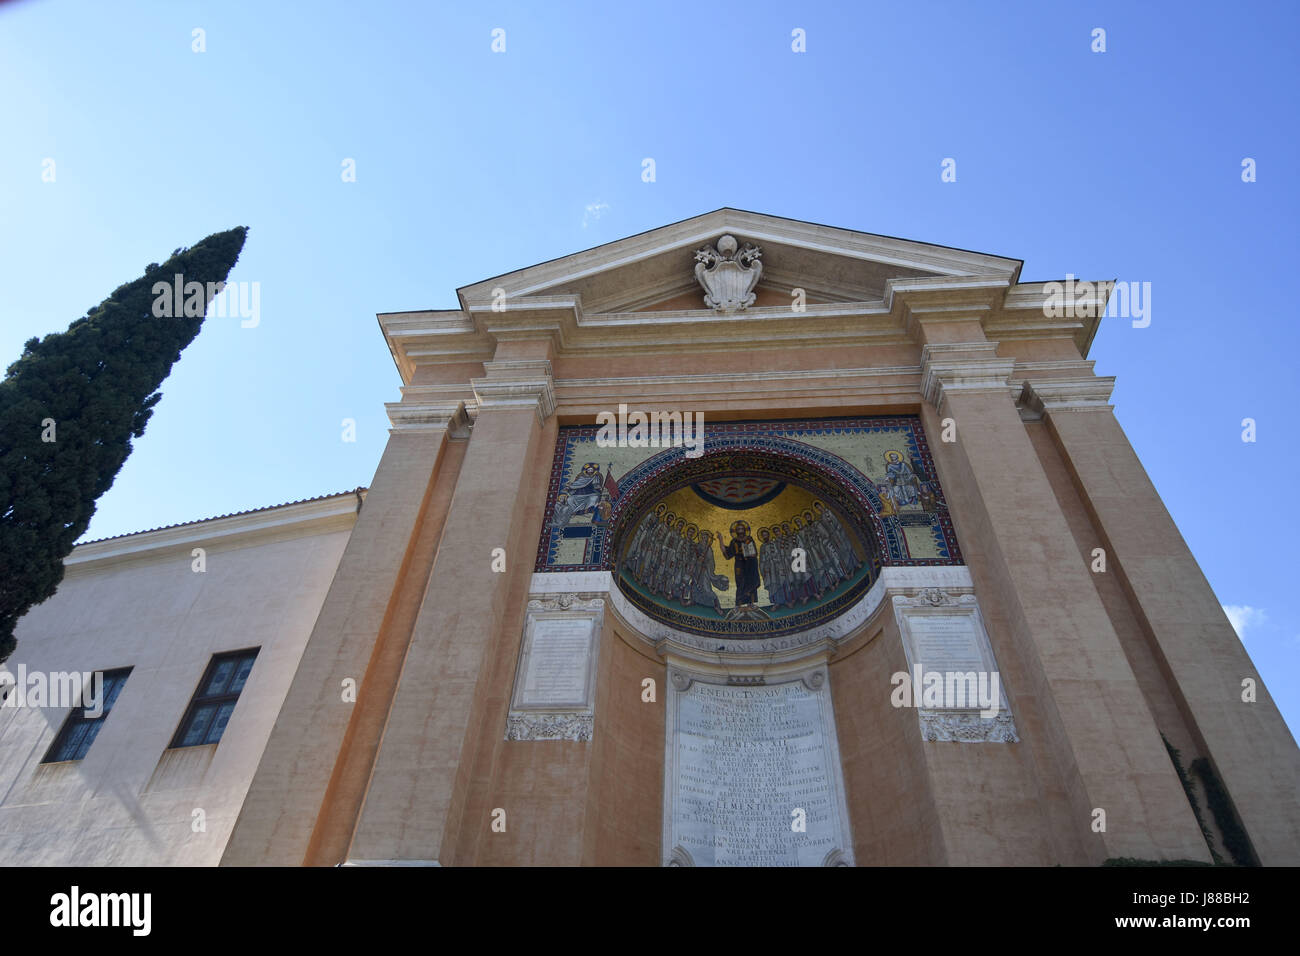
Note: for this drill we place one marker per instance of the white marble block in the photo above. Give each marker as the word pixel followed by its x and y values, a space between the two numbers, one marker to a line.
pixel 555 680
pixel 944 636
pixel 752 774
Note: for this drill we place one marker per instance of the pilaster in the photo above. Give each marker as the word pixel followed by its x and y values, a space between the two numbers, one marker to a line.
pixel 297 768
pixel 1244 735
pixel 444 721
pixel 1101 743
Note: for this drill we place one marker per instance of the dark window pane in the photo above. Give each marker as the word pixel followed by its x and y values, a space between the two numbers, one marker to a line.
pixel 219 722
pixel 112 687
pixel 98 699
pixel 199 721
pixel 241 674
pixel 214 700
pixel 70 742
pixel 220 677
pixel 81 729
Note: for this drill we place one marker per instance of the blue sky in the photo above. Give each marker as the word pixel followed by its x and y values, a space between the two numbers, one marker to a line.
pixel 1124 164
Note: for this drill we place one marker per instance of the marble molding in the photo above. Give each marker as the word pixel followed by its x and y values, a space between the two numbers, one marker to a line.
pixel 536 726
pixel 943 631
pixel 516 383
pixel 665 639
pixel 450 416
pixel 1066 395
pixel 555 676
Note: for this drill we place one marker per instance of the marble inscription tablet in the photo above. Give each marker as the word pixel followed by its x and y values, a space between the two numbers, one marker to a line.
pixel 555 668
pixel 944 638
pixel 753 777
pixel 553 697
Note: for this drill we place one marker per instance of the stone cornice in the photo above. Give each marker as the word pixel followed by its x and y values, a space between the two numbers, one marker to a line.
pixel 1066 395
pixel 441 338
pixel 846 387
pixel 893 384
pixel 413 415
pixel 930 284
pixel 1024 315
pixel 516 383
pixel 752 227
pixel 950 299
pixel 433 338
pixel 962 366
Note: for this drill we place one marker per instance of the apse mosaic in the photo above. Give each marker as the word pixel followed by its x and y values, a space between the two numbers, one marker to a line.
pixel 777 526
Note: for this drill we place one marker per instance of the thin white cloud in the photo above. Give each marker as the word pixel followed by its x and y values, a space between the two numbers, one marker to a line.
pixel 1244 618
pixel 593 211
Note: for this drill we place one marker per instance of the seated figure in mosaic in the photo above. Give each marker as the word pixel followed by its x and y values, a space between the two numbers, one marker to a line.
pixel 904 485
pixel 581 494
pixel 929 501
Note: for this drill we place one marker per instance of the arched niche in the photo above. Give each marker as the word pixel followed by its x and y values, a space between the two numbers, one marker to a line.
pixel 787 495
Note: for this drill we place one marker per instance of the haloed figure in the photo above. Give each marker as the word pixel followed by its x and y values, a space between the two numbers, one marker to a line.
pixel 684 585
pixel 796 581
pixel 769 557
pixel 744 554
pixel 705 578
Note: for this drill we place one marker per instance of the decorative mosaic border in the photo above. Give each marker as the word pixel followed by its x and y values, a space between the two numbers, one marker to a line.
pixel 777 627
pixel 781 438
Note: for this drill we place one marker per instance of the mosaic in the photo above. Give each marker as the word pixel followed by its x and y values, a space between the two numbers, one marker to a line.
pixel 775 527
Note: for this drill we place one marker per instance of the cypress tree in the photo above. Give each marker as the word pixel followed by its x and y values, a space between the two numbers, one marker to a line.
pixel 73 401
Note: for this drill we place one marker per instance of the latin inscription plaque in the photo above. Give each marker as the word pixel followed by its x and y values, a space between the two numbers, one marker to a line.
pixel 945 642
pixel 754 776
pixel 555 673
pixel 553 696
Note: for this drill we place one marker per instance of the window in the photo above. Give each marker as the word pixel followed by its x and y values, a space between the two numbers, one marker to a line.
pixel 80 729
pixel 215 699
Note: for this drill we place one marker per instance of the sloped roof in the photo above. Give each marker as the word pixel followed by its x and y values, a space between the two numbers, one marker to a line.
pixel 361 491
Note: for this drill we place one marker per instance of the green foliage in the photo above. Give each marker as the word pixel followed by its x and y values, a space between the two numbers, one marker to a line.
pixel 98 384
pixel 1191 798
pixel 1234 837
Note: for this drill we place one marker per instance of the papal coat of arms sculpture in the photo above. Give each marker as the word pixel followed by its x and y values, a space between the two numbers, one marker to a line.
pixel 728 274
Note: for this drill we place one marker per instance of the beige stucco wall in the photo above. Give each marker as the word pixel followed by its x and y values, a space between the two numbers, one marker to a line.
pixel 1095 668
pixel 137 603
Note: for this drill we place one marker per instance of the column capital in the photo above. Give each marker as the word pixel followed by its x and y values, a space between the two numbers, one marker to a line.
pixel 517 383
pixel 1066 395
pixel 449 416
pixel 962 366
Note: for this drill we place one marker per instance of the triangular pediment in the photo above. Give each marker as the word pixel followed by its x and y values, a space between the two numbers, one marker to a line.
pixel 655 270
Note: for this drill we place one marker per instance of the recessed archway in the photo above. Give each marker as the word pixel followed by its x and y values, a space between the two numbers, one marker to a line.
pixel 757 538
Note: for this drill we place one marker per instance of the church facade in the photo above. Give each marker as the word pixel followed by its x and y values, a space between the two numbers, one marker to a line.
pixel 743 541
